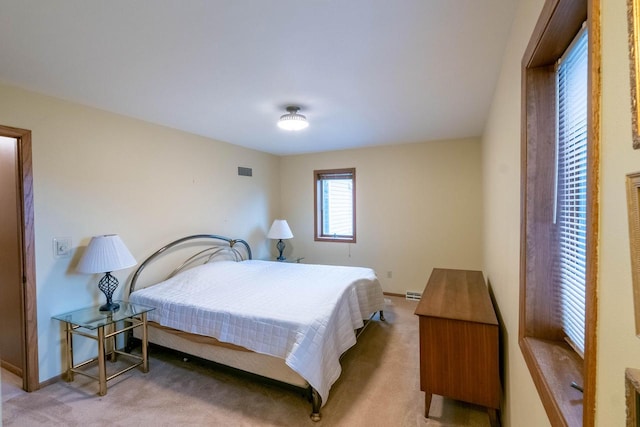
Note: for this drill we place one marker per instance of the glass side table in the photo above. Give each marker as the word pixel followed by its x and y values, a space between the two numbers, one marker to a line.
pixel 84 321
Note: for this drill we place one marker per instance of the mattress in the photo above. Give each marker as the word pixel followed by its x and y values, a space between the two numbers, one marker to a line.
pixel 302 313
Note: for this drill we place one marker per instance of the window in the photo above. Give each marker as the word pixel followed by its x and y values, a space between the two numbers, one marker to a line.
pixel 335 205
pixel 559 215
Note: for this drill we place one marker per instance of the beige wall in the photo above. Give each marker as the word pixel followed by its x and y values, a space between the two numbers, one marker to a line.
pixel 617 345
pixel 418 206
pixel 97 173
pixel 501 179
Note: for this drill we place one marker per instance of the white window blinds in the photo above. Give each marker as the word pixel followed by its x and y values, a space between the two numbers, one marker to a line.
pixel 571 201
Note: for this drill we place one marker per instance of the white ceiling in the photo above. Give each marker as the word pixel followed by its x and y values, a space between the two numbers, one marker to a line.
pixel 365 72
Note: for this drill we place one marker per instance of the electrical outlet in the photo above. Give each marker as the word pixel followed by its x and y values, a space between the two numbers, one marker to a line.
pixel 61 247
pixel 389 274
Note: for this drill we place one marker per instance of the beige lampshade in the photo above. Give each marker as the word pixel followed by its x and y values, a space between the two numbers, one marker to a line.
pixel 280 230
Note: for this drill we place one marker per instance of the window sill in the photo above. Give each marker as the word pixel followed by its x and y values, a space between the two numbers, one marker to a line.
pixel 334 239
pixel 553 366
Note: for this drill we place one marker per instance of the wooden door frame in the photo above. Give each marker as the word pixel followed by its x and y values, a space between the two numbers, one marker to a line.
pixel 30 374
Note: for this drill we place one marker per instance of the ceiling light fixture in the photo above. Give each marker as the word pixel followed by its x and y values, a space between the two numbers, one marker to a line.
pixel 293 120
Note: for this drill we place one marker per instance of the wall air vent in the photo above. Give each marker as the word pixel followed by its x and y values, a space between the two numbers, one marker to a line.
pixel 245 171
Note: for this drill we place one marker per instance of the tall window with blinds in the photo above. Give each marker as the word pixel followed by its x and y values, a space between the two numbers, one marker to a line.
pixel 571 198
pixel 335 192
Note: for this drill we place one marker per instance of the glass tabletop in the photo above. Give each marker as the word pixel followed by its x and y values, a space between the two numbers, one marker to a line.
pixel 93 318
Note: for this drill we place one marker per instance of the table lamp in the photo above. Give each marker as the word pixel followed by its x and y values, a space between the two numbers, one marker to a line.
pixel 103 255
pixel 280 230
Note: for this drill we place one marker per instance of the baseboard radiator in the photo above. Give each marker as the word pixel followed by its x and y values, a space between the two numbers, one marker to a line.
pixel 413 296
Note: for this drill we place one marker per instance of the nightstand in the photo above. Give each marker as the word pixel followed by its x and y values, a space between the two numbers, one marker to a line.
pixel 84 321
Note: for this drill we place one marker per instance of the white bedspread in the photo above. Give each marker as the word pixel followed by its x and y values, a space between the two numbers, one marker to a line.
pixel 305 314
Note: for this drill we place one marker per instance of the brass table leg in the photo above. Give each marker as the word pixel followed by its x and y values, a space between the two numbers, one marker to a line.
pixel 69 331
pixel 102 368
pixel 111 345
pixel 145 359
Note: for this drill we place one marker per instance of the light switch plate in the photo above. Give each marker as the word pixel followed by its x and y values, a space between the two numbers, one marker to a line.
pixel 61 247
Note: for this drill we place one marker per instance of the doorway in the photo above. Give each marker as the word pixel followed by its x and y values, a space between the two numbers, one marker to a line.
pixel 19 339
pixel 11 342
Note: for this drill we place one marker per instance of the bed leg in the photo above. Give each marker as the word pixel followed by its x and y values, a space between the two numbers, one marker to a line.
pixel 316 402
pixel 382 319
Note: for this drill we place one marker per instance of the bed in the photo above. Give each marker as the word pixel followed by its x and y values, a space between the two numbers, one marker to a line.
pixel 285 321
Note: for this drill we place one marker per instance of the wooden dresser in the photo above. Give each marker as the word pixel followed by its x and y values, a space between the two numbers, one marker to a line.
pixel 459 356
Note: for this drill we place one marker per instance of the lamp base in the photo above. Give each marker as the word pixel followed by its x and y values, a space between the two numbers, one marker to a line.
pixel 280 246
pixel 110 306
pixel 107 285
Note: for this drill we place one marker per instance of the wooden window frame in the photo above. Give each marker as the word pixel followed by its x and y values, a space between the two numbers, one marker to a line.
pixel 317 206
pixel 553 364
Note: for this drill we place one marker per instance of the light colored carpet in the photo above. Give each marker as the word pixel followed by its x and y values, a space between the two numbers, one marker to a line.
pixel 379 386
